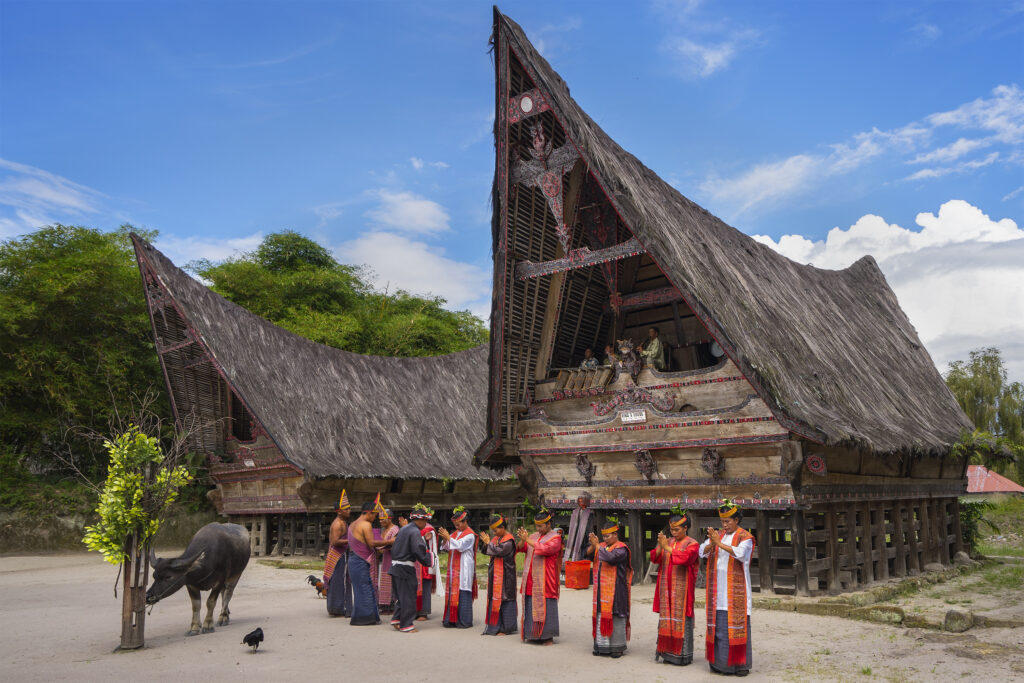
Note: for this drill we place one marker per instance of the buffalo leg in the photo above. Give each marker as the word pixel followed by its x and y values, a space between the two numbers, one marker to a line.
pixel 225 598
pixel 211 604
pixel 195 597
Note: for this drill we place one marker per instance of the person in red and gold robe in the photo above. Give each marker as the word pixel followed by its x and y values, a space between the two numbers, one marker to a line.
pixel 728 552
pixel 676 557
pixel 541 581
pixel 613 579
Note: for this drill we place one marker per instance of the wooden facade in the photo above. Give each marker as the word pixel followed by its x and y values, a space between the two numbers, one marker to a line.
pixel 802 394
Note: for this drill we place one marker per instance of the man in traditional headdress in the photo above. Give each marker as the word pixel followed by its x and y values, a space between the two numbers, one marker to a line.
pixel 460 582
pixel 339 602
pixel 728 640
pixel 676 556
pixel 613 579
pixel 579 529
pixel 501 608
pixel 408 554
pixel 388 531
pixel 362 558
pixel 541 580
pixel 427 573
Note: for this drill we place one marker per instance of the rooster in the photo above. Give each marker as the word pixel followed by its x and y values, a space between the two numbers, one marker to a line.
pixel 321 589
pixel 253 639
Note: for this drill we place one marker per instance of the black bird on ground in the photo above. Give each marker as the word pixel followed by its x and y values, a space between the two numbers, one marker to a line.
pixel 253 639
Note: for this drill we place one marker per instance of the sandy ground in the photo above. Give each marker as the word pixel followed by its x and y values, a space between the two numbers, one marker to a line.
pixel 61 622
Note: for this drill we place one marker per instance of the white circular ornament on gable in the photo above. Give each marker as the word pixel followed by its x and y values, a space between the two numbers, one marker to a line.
pixel 526 104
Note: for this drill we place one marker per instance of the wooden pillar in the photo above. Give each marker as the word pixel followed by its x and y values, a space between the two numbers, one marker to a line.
pixel 799 539
pixel 882 568
pixel 914 557
pixel 941 530
pixel 833 549
pixel 900 565
pixel 865 543
pixel 764 553
pixel 850 543
pixel 636 545
pixel 925 534
pixel 958 532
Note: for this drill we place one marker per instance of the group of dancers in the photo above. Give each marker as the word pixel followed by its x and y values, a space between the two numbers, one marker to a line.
pixel 395 570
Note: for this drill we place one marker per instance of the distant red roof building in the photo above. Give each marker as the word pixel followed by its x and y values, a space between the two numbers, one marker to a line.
pixel 980 479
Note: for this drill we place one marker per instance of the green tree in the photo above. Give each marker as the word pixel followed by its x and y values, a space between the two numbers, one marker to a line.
pixel 994 404
pixel 295 283
pixel 75 342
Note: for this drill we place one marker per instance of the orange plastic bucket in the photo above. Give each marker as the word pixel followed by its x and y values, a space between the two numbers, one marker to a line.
pixel 577 574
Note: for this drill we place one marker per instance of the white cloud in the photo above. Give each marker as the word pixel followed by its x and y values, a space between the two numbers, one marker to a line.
pixel 924 32
pixel 181 250
pixel 996 121
pixel 328 212
pixel 960 277
pixel 408 212
pixel 419 164
pixel 550 39
pixel 400 262
pixel 1014 193
pixel 31 197
pixel 704 58
pixel 416 163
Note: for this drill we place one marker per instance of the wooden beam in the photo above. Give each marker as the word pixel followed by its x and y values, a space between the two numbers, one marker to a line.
pixel 636 545
pixel 865 543
pixel 900 566
pixel 925 533
pixel 764 553
pixel 941 531
pixel 958 532
pixel 583 257
pixel 652 297
pixel 915 559
pixel 882 568
pixel 833 549
pixel 850 543
pixel 799 540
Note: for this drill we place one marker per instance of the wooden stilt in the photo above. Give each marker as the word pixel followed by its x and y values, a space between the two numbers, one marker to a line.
pixel 941 531
pixel 882 568
pixel 958 532
pixel 833 549
pixel 925 534
pixel 799 538
pixel 636 545
pixel 913 555
pixel 850 543
pixel 868 570
pixel 764 553
pixel 900 565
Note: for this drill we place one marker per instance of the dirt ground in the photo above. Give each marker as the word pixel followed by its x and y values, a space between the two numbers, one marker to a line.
pixel 61 622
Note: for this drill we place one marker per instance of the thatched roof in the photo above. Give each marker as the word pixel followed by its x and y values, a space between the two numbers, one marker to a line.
pixel 335 413
pixel 830 351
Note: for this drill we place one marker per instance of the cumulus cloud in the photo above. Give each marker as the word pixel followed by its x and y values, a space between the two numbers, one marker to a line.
pixel 987 122
pixel 701 59
pixel 401 262
pixel 408 212
pixel 31 197
pixel 184 249
pixel 419 164
pixel 959 277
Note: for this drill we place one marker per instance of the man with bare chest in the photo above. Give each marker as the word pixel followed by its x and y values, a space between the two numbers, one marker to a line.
pixel 339 590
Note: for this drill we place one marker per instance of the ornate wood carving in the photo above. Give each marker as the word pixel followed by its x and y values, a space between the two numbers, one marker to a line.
pixel 629 361
pixel 646 464
pixel 586 468
pixel 623 303
pixel 579 258
pixel 525 105
pixel 711 462
pixel 633 395
pixel 545 170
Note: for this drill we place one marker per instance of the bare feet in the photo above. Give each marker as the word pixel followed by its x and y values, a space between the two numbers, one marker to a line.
pixel 548 642
pixel 421 618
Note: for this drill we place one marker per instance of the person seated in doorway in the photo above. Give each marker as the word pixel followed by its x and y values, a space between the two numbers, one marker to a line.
pixel 610 357
pixel 589 361
pixel 652 350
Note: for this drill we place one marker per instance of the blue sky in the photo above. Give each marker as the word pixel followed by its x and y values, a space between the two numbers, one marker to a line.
pixel 828 129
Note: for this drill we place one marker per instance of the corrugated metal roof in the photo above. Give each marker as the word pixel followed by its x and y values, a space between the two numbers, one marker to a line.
pixel 980 479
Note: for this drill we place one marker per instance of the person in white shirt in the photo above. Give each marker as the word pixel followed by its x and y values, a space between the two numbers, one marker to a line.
pixel 460 584
pixel 728 641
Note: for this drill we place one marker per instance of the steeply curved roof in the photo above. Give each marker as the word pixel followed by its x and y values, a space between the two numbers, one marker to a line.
pixel 332 412
pixel 831 351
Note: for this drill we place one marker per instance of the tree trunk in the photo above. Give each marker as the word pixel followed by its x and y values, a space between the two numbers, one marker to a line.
pixel 133 605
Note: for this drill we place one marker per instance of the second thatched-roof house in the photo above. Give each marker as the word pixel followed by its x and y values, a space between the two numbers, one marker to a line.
pixel 287 423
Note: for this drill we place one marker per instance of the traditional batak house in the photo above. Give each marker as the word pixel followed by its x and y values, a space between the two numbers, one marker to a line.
pixel 287 423
pixel 804 394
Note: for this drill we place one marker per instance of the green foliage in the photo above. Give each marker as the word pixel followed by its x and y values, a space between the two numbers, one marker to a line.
pixel 995 405
pixel 972 516
pixel 131 501
pixel 39 495
pixel 295 283
pixel 75 341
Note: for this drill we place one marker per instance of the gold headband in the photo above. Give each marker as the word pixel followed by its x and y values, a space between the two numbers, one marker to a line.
pixel 610 530
pixel 498 522
pixel 684 521
pixel 726 512
pixel 542 520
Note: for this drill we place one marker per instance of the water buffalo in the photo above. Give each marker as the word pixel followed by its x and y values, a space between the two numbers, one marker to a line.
pixel 213 561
